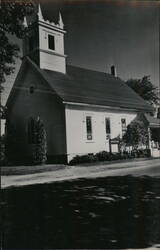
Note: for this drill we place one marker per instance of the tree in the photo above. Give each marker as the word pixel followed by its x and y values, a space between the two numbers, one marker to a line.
pixel 145 89
pixel 39 149
pixel 2 147
pixel 158 113
pixel 136 134
pixel 12 14
pixel 10 142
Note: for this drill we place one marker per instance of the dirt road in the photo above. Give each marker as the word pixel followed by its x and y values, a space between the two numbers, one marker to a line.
pixel 137 168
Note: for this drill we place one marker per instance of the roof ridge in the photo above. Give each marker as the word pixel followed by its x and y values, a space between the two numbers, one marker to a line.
pixel 92 70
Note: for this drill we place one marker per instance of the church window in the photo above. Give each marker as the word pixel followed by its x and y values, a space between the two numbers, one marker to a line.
pixel 89 127
pixel 123 125
pixel 31 89
pixel 108 127
pixel 51 42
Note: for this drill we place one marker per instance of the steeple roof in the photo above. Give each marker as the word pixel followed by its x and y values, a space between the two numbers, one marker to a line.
pixel 46 14
pixel 58 23
pixel 50 14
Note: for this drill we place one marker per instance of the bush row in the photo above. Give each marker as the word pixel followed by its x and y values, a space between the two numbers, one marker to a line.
pixel 106 156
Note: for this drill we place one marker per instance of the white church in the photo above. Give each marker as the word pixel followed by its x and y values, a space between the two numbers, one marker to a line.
pixel 82 110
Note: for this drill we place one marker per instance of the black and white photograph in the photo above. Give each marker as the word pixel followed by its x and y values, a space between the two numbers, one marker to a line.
pixel 80 124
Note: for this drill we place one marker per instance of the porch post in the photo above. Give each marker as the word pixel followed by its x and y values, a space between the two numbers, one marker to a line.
pixel 110 146
pixel 149 139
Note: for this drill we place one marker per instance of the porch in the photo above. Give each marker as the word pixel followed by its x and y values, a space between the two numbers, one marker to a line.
pixel 154 133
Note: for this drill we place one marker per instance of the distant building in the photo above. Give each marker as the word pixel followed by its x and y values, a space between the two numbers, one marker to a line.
pixel 82 110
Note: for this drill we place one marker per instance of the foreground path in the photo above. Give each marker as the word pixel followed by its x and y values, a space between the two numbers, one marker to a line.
pixel 136 168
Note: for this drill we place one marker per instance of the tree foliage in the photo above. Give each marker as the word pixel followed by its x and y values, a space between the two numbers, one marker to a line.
pixel 2 147
pixel 155 134
pixel 136 134
pixel 38 144
pixel 145 89
pixel 12 13
pixel 158 113
pixel 10 142
pixel 39 148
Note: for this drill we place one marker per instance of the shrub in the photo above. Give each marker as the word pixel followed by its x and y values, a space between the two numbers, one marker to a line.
pixel 136 134
pixel 78 159
pixel 147 152
pixel 106 156
pixel 115 156
pixel 103 156
pixel 2 145
pixel 10 142
pixel 140 153
pixel 92 158
pixel 126 155
pixel 39 149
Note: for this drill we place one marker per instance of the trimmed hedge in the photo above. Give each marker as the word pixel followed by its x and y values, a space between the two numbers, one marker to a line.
pixel 106 156
pixel 103 156
pixel 83 159
pixel 141 153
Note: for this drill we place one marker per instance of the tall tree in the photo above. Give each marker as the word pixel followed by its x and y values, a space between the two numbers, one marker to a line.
pixel 145 89
pixel 39 150
pixel 158 113
pixel 12 13
pixel 136 134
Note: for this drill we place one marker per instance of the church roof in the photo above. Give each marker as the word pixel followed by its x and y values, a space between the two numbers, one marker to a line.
pixel 86 86
pixel 153 121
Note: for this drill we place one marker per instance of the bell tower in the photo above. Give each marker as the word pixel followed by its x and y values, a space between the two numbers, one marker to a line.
pixel 45 43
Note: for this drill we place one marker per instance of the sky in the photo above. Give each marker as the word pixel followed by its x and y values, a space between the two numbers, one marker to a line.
pixel 105 33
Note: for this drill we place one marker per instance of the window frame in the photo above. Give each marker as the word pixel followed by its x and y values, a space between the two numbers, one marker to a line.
pixel 108 135
pixel 123 126
pixel 49 42
pixel 89 134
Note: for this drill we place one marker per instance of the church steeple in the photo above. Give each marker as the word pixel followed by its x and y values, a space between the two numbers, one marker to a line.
pixel 40 17
pixel 46 43
pixel 25 23
pixel 61 25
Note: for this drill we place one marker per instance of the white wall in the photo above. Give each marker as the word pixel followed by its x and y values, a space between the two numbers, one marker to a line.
pixel 43 39
pixel 52 62
pixel 76 129
pixel 52 59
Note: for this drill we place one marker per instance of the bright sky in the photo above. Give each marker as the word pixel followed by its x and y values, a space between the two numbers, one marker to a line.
pixel 102 33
